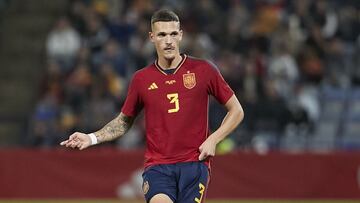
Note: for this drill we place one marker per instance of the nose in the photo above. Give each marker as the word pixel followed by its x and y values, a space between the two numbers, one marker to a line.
pixel 168 39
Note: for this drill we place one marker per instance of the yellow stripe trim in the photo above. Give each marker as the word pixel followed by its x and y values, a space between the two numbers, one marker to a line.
pixel 177 68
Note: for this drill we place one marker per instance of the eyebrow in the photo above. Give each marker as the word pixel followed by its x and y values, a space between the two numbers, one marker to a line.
pixel 161 33
pixel 164 33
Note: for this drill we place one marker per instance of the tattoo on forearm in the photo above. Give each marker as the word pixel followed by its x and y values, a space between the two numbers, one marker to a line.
pixel 115 128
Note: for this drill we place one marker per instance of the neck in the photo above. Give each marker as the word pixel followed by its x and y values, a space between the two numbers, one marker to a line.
pixel 169 63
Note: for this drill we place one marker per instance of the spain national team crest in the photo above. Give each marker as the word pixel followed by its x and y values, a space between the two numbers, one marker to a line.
pixel 145 187
pixel 189 80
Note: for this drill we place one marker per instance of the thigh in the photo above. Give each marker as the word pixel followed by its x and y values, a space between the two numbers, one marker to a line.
pixel 159 179
pixel 193 182
pixel 161 198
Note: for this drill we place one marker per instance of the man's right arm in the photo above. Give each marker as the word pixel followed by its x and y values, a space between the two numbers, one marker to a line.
pixel 114 129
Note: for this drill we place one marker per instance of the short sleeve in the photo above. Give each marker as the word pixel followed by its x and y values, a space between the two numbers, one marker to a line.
pixel 133 103
pixel 218 87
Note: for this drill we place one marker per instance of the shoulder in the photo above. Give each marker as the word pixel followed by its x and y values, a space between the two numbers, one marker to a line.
pixel 204 63
pixel 143 72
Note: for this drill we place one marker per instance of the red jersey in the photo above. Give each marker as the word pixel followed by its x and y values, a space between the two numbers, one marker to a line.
pixel 176 108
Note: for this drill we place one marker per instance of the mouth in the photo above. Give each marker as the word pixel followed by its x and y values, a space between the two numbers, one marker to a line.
pixel 169 49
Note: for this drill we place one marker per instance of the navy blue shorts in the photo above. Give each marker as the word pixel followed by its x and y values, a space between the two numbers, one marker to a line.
pixel 182 182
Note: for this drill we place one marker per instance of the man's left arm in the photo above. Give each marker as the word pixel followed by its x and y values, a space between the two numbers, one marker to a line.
pixel 232 119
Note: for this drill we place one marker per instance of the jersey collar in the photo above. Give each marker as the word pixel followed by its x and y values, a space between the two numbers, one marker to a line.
pixel 177 67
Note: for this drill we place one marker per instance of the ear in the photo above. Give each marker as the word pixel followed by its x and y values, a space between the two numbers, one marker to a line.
pixel 151 36
pixel 180 35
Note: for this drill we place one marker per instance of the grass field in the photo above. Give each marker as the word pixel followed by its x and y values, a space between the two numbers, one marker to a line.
pixel 209 201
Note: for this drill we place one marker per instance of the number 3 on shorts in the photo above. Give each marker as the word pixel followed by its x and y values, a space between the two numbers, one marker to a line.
pixel 201 191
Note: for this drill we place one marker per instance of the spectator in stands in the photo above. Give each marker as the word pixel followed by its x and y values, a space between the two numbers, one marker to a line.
pixel 283 70
pixel 114 54
pixel 77 86
pixel 62 44
pixel 269 107
pixel 96 34
pixel 115 84
pixel 99 109
pixel 325 17
pixel 76 14
pixel 45 125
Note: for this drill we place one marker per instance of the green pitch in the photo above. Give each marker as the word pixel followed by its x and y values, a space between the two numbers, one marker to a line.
pixel 209 201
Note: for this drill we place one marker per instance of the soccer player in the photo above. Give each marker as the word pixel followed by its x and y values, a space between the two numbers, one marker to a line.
pixel 174 93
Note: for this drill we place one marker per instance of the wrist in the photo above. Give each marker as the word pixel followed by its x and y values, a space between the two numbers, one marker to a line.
pixel 214 138
pixel 93 138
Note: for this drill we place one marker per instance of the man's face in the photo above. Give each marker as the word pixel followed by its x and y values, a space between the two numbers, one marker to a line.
pixel 166 37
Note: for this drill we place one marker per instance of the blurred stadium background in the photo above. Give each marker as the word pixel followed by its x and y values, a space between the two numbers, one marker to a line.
pixel 294 64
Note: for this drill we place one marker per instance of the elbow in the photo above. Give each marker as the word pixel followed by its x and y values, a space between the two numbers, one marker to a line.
pixel 235 109
pixel 240 115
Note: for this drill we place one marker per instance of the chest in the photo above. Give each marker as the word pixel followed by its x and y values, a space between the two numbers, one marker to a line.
pixel 172 90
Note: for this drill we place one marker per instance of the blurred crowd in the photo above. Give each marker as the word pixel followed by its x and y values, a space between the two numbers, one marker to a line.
pixel 3 5
pixel 279 56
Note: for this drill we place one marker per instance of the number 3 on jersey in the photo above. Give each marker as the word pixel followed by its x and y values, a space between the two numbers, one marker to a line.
pixel 174 99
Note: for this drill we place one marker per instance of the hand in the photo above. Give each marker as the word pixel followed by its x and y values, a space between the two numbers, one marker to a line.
pixel 77 140
pixel 207 148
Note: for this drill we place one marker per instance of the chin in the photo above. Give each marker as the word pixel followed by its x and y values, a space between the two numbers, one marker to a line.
pixel 169 56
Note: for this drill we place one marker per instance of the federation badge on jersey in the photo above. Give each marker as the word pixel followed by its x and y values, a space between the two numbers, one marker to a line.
pixel 145 187
pixel 189 80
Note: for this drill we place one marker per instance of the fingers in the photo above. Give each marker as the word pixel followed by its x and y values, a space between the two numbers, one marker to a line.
pixel 73 141
pixel 72 144
pixel 83 146
pixel 67 143
pixel 205 152
pixel 64 142
pixel 202 156
pixel 71 138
